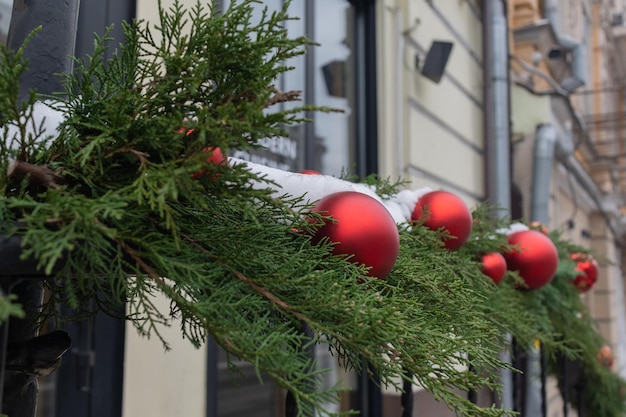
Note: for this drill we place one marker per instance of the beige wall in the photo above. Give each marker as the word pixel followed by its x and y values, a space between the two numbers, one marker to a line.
pixel 159 383
pixel 148 9
pixel 432 134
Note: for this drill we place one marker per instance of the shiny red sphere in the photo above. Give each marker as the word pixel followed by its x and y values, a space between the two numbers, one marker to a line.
pixel 605 356
pixel 441 209
pixel 533 256
pixel 587 269
pixel 362 228
pixel 214 156
pixel 309 172
pixel 537 225
pixel 494 266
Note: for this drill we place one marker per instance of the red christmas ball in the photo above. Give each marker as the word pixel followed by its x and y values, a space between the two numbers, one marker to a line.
pixel 494 266
pixel 214 156
pixel 605 356
pixel 533 256
pixel 310 172
pixel 537 225
pixel 587 269
pixel 444 210
pixel 361 227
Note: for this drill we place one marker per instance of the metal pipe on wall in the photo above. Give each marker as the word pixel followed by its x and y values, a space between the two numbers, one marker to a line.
pixel 543 162
pixel 545 143
pixel 497 131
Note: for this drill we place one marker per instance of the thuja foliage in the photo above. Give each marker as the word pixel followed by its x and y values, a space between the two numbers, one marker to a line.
pixel 119 206
pixel 586 380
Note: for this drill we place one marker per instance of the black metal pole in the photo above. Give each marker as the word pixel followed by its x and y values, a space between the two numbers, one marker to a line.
pixel 407 396
pixel 310 143
pixel 579 400
pixel 515 385
pixel 375 396
pixel 29 294
pixel 291 407
pixel 4 340
pixel 472 395
pixel 48 53
pixel 544 402
pixel 212 380
pixel 565 383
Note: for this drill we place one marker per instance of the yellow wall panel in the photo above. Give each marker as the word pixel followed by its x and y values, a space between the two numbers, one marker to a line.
pixel 438 153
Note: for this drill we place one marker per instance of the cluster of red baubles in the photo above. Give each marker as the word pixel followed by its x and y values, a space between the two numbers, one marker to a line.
pixel 362 228
pixel 533 256
pixel 587 269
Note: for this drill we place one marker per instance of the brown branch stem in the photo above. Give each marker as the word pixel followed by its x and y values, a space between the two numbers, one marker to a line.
pixel 142 156
pixel 147 268
pixel 281 97
pixel 262 291
pixel 36 174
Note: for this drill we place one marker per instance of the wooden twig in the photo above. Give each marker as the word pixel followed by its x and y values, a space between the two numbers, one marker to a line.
pixel 281 97
pixel 262 291
pixel 147 268
pixel 142 156
pixel 37 174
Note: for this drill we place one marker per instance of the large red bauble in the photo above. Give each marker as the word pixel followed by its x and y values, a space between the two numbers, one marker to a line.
pixel 441 209
pixel 533 256
pixel 494 266
pixel 587 269
pixel 362 228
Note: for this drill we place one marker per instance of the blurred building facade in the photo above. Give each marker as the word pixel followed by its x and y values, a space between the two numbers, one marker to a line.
pixel 567 127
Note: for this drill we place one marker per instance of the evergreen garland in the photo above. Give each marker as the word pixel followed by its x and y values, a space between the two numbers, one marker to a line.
pixel 113 209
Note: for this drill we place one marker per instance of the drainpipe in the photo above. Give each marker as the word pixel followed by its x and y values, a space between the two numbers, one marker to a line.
pixel 576 49
pixel 544 156
pixel 545 141
pixel 496 78
pixel 497 134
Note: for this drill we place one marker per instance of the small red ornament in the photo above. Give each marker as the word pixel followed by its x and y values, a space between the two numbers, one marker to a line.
pixel 310 172
pixel 533 256
pixel 605 356
pixel 494 266
pixel 363 228
pixel 537 225
pixel 587 269
pixel 214 156
pixel 441 209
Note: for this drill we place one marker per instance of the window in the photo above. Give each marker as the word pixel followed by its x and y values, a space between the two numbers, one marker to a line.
pixel 339 73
